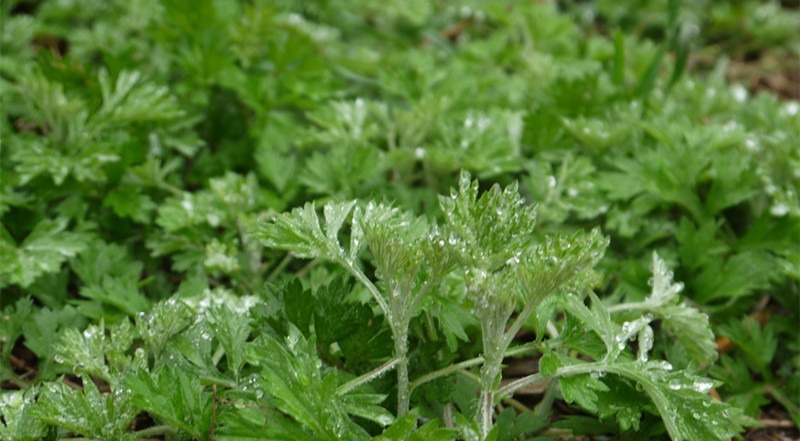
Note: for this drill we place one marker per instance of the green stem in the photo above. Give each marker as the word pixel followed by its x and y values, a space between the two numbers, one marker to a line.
pixel 493 321
pixel 453 368
pixel 279 268
pixel 544 406
pixel 155 430
pixel 369 376
pixel 634 306
pixel 364 280
pixel 485 417
pixel 217 356
pixel 401 353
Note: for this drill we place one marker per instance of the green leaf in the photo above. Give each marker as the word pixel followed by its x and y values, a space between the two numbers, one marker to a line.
pixel 757 343
pixel 512 425
pixel 688 325
pixel 175 396
pixel 484 232
pixel 43 251
pixel 89 413
pixel 15 318
pixel 84 352
pixel 680 398
pixel 293 378
pixel 405 429
pixel 122 294
pixel 556 262
pixel 43 333
pixel 300 231
pixel 129 202
pixel 232 331
pixel 164 321
pixel 101 260
pixel 18 420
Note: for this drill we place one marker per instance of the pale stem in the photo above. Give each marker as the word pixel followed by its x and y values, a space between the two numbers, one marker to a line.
pixel 493 321
pixel 367 377
pixel 401 353
pixel 453 368
pixel 376 294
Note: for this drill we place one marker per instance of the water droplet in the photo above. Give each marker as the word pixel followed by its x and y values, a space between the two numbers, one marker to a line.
pixel 702 385
pixel 675 384
pixel 779 210
pixel 739 93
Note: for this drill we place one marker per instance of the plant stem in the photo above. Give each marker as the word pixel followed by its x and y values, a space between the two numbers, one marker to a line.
pixel 453 368
pixel 155 430
pixel 493 321
pixel 401 353
pixel 489 372
pixel 369 376
pixel 364 280
pixel 279 267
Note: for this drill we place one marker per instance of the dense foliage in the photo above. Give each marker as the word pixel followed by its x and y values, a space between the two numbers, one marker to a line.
pixel 323 220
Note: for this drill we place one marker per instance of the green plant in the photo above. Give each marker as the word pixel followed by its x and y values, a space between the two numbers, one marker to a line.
pixel 156 271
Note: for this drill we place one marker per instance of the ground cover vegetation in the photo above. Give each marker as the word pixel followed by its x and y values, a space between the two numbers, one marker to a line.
pixel 399 220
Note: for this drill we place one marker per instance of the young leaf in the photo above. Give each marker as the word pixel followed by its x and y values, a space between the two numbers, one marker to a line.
pixel 232 331
pixel 301 233
pixel 687 324
pixel 484 232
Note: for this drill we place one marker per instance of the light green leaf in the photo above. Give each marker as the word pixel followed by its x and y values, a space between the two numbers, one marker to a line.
pixel 43 251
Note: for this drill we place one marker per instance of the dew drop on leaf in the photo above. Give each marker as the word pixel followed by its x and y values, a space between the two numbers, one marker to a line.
pixel 702 385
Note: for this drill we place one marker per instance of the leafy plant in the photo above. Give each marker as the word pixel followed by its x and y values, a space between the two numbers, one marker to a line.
pixel 232 220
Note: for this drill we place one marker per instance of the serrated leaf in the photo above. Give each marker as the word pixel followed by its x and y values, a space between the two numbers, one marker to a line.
pixel 680 398
pixel 232 331
pixel 757 343
pixel 488 230
pixel 18 420
pixel 84 352
pixel 291 375
pixel 43 251
pixel 101 260
pixel 300 231
pixel 164 320
pixel 405 429
pixel 596 318
pixel 43 332
pixel 13 321
pixel 118 293
pixel 550 265
pixel 131 203
pixel 89 413
pixel 174 396
pixel 688 325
